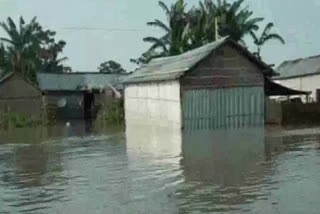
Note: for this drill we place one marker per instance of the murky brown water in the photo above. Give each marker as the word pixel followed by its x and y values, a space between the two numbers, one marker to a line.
pixel 159 170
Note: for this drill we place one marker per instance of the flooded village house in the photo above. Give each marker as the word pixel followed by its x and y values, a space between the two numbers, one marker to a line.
pixel 78 95
pixel 219 85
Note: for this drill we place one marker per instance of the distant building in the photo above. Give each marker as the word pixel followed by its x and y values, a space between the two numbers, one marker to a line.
pixel 78 95
pixel 301 74
pixel 18 95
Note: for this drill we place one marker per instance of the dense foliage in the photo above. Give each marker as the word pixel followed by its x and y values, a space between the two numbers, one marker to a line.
pixel 28 49
pixel 111 67
pixel 189 29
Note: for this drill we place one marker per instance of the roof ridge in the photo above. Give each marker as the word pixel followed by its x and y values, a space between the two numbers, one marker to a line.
pixel 170 66
pixel 302 58
pixel 189 52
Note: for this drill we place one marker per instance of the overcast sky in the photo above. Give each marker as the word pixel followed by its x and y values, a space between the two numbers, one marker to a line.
pixel 113 29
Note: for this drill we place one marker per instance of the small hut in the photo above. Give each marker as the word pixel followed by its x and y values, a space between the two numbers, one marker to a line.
pixel 20 96
pixel 219 85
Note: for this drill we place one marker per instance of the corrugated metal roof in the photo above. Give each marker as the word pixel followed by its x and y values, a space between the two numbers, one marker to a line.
pixel 77 81
pixel 299 67
pixel 169 68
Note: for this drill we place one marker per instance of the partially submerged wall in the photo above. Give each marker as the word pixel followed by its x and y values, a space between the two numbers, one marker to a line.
pixel 148 103
pixel 238 107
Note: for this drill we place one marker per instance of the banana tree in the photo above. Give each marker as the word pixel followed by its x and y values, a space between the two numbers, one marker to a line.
pixel 265 37
pixel 30 49
pixel 174 40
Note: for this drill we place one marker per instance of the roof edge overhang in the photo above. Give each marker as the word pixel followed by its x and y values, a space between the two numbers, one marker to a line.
pixel 275 89
pixel 296 76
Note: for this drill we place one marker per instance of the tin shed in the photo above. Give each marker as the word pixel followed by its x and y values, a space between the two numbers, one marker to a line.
pixel 219 85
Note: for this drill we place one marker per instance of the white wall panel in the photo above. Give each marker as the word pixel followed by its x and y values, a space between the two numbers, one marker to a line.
pixel 149 103
pixel 308 83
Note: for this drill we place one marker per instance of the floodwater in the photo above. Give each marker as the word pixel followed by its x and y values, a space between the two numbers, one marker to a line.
pixel 159 170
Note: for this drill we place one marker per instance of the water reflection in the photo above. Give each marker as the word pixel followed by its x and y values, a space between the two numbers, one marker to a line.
pixel 222 168
pixel 223 156
pixel 32 172
pixel 38 167
pixel 154 155
pixel 152 169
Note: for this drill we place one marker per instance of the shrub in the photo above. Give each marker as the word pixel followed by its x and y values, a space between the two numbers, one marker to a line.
pixel 113 113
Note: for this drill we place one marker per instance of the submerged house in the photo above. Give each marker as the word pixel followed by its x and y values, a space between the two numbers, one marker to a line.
pixel 301 74
pixel 78 95
pixel 219 85
pixel 20 96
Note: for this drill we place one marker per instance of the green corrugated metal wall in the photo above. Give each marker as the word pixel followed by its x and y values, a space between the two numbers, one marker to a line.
pixel 238 107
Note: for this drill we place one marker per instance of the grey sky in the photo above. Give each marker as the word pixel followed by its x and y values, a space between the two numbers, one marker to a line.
pixel 86 49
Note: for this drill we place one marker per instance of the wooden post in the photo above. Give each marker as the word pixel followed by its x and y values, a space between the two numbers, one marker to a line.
pixel 217 28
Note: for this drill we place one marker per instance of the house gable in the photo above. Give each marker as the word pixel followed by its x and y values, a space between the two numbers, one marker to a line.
pixel 227 66
pixel 15 87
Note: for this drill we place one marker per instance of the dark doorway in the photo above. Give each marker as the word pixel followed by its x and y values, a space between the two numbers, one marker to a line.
pixel 88 100
pixel 318 95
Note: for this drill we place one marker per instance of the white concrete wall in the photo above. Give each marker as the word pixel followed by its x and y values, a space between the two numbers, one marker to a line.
pixel 153 103
pixel 308 83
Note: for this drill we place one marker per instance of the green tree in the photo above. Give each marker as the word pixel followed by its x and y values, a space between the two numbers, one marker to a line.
pixel 5 64
pixel 191 29
pixel 265 37
pixel 234 20
pixel 30 49
pixel 111 67
pixel 175 40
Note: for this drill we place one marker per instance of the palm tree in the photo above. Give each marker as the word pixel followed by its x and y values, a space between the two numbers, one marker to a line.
pixel 197 27
pixel 30 49
pixel 265 36
pixel 200 28
pixel 19 43
pixel 235 20
pixel 173 41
